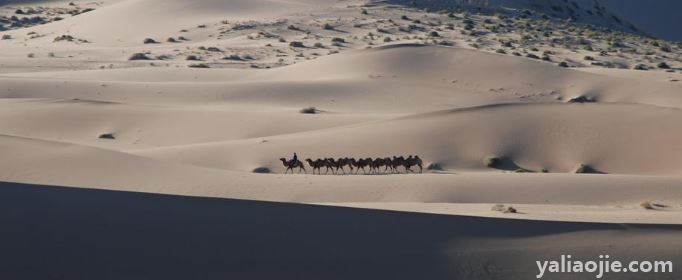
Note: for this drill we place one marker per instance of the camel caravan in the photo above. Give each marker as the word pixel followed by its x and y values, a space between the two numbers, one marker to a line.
pixel 385 165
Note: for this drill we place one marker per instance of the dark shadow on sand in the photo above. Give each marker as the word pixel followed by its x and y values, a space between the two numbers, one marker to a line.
pixel 49 232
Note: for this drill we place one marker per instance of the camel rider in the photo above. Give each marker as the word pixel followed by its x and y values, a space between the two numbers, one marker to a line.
pixel 295 159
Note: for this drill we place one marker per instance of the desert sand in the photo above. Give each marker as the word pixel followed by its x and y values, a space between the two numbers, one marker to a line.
pixel 114 167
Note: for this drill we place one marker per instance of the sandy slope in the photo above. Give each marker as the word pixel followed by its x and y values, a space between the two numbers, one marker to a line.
pixel 226 127
pixel 128 22
pixel 170 237
pixel 201 133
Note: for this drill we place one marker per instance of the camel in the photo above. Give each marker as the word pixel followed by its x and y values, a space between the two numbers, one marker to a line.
pixel 330 164
pixel 387 164
pixel 412 161
pixel 377 163
pixel 397 162
pixel 419 163
pixel 362 163
pixel 317 164
pixel 368 165
pixel 352 163
pixel 340 163
pixel 290 165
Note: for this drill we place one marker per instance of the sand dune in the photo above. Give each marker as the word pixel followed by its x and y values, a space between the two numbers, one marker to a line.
pixel 610 196
pixel 143 166
pixel 213 132
pixel 385 79
pixel 170 237
pixel 558 137
pixel 133 24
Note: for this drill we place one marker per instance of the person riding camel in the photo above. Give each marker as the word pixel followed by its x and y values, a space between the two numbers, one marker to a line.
pixel 295 158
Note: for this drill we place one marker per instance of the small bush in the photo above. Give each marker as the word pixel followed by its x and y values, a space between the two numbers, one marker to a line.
pixel 138 56
pixel 150 41
pixel 338 40
pixel 199 65
pixel 530 55
pixel 582 99
pixel 502 51
pixel 318 45
pixel 309 110
pixel 63 38
pixel 563 64
pixel 171 40
pixel 6 37
pixel 434 34
pixel 107 136
pixel 232 57
pixel 663 65
pixel 589 58
pixel 493 161
pixel 296 44
pixel 261 170
pixel 192 57
pixel 327 26
pixel 504 209
pixel 641 67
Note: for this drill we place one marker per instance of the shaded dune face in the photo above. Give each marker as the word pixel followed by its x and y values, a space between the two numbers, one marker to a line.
pixel 167 165
pixel 81 233
pixel 629 15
